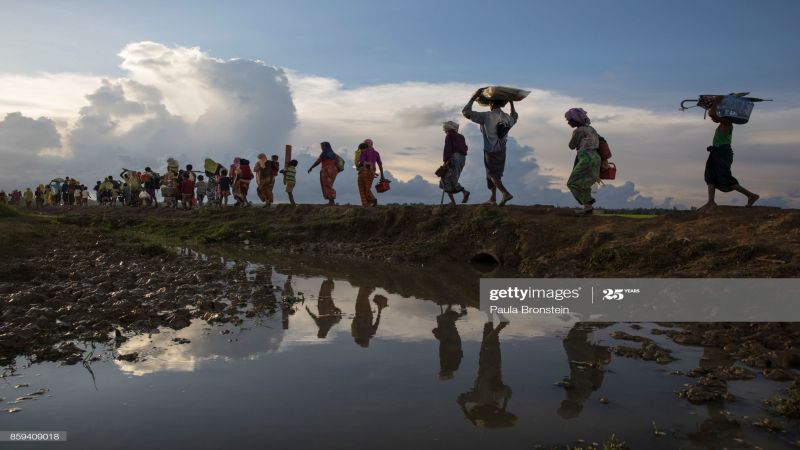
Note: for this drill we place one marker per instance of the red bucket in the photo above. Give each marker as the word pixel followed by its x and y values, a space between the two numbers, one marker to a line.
pixel 609 173
pixel 382 186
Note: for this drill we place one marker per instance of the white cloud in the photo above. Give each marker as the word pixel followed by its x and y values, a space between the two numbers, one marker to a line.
pixel 174 101
pixel 58 96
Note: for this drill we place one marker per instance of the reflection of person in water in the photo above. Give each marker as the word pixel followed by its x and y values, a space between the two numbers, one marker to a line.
pixel 485 405
pixel 286 307
pixel 362 327
pixel 446 333
pixel 328 314
pixel 586 361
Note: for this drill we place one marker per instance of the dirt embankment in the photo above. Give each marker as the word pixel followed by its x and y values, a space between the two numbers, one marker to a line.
pixel 537 241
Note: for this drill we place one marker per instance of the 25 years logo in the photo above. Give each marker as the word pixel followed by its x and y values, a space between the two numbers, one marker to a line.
pixel 613 294
pixel 617 294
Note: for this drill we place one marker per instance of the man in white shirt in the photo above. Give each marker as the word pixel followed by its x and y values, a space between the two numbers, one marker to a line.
pixel 494 128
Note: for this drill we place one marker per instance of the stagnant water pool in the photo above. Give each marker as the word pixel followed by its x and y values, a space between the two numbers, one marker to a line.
pixel 374 356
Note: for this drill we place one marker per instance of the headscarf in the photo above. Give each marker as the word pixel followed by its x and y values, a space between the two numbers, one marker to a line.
pixel 450 126
pixel 327 151
pixel 234 166
pixel 578 115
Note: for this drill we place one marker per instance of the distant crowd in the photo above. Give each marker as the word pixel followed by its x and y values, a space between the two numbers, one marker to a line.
pixel 213 186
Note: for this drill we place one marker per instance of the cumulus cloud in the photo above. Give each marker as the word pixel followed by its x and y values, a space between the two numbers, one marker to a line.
pixel 174 101
pixel 426 115
pixel 24 142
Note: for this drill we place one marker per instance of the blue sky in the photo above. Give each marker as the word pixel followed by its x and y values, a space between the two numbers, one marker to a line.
pixel 643 53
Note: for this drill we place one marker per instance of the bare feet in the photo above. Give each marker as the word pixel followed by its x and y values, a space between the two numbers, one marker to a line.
pixel 506 199
pixel 752 199
pixel 466 197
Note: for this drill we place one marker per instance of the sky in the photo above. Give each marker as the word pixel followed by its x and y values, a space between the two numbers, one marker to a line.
pixel 87 88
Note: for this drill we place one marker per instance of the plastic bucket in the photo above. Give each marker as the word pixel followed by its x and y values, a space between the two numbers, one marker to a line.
pixel 609 173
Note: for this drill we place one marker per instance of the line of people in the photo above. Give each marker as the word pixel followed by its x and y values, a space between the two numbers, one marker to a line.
pixel 59 192
pixel 190 189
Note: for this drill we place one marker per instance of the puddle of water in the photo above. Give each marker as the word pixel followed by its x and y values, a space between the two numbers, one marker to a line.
pixel 378 357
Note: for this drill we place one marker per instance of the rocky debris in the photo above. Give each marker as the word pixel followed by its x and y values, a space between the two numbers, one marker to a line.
pixel 759 345
pixel 130 357
pixel 649 350
pixel 104 291
pixel 725 373
pixel 709 388
pixel 769 424
pixel 779 374
pixel 788 406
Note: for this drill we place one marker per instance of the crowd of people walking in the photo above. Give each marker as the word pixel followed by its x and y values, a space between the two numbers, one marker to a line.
pixel 188 188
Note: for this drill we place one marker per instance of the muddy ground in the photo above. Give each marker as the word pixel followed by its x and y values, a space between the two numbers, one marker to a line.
pixel 101 275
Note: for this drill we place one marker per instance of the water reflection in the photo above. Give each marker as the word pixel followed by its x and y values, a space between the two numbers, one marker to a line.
pixel 163 351
pixel 586 368
pixel 274 356
pixel 363 328
pixel 450 353
pixel 718 430
pixel 485 404
pixel 328 314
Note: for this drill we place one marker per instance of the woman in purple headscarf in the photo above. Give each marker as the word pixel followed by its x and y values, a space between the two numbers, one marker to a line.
pixel 586 169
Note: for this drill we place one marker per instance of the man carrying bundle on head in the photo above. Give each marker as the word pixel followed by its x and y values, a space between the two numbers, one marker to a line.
pixel 495 125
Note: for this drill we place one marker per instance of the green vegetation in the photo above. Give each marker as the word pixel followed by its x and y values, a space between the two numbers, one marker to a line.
pixel 631 216
pixel 8 211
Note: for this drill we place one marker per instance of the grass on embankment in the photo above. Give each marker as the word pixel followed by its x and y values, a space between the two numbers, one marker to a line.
pixel 540 241
pixel 8 211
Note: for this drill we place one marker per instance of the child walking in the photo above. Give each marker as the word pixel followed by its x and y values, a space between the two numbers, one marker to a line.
pixel 224 186
pixel 201 187
pixel 289 177
pixel 187 191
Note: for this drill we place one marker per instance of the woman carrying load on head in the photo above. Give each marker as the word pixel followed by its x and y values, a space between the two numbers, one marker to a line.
pixel 454 158
pixel 327 172
pixel 718 173
pixel 586 168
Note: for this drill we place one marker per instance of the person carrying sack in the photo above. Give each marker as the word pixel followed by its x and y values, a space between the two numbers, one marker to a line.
pixel 495 125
